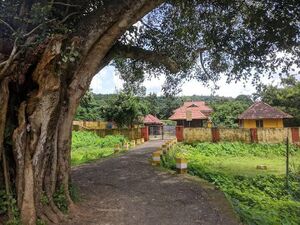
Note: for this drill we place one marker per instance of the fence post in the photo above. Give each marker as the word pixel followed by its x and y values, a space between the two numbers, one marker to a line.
pixel 145 133
pixel 295 135
pixel 126 146
pixel 156 158
pixel 253 135
pixel 181 165
pixel 179 133
pixel 117 149
pixel 287 163
pixel 215 134
pixel 132 143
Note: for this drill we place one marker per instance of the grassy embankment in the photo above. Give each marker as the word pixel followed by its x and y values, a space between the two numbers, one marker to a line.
pixel 260 197
pixel 88 146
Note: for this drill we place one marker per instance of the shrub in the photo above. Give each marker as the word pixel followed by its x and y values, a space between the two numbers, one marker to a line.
pixel 88 146
pixel 259 199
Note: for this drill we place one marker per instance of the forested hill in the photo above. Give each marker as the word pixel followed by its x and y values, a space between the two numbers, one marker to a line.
pixel 209 98
pixel 226 108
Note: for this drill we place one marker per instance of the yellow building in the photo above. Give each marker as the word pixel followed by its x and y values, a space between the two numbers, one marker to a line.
pixel 262 115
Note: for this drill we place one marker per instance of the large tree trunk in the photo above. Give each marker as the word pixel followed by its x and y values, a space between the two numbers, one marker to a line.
pixel 38 103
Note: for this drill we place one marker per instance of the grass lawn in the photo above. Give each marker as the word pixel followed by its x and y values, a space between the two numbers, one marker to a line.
pixel 88 146
pixel 260 197
pixel 247 165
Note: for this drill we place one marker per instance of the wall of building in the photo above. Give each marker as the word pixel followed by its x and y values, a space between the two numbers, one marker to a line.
pixel 264 135
pixel 249 124
pixel 268 123
pixel 273 123
pixel 193 123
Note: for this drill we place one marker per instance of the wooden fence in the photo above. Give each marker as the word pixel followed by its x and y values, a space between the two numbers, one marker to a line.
pixel 259 135
pixel 94 124
pixel 100 128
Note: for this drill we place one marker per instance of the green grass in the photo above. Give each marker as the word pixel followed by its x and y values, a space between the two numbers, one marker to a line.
pixel 88 146
pixel 260 197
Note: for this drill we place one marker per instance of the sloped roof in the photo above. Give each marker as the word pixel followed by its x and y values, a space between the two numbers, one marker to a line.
pixel 150 119
pixel 261 110
pixel 198 110
pixel 201 106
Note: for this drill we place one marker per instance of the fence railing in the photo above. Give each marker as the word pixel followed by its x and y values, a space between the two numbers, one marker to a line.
pixel 260 135
pixel 100 128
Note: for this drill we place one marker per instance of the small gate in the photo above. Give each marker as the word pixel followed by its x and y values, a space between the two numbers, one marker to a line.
pixel 161 132
pixel 169 132
pixel 155 132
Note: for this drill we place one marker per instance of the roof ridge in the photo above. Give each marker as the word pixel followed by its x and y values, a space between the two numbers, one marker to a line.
pixel 276 108
pixel 263 107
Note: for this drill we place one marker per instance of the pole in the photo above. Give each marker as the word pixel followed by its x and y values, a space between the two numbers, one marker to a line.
pixel 287 162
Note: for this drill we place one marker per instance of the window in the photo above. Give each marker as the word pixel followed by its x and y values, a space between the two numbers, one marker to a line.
pixel 259 123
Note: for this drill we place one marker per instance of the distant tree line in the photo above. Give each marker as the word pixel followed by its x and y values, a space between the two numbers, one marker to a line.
pixel 116 107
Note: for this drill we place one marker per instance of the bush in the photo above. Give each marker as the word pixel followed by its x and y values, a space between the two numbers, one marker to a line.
pixel 86 138
pixel 243 149
pixel 88 146
pixel 258 199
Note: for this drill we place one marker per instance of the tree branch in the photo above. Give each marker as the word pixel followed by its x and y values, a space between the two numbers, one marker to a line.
pixel 155 58
pixel 37 27
pixel 9 26
pixel 50 21
pixel 202 64
pixel 68 16
pixel 65 4
pixel 8 62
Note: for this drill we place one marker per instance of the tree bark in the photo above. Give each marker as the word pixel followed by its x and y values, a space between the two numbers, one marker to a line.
pixel 38 103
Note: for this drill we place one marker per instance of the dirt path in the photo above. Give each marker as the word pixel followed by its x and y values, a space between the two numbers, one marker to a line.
pixel 127 190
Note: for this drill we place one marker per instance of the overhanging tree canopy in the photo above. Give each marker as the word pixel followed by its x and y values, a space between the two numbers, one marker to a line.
pixel 50 50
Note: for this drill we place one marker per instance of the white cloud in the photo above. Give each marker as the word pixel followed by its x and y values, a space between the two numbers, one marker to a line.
pixel 231 89
pixel 107 81
pixel 154 85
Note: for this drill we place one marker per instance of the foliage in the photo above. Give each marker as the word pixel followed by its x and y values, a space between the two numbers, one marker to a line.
pixel 74 193
pixel 40 222
pixel 88 109
pixel 125 110
pixel 243 149
pixel 286 97
pixel 6 203
pixel 259 198
pixel 81 139
pixel 87 146
pixel 205 39
pixel 60 199
pixel 163 106
pixel 89 154
pixel 189 39
pixel 216 37
pixel 226 112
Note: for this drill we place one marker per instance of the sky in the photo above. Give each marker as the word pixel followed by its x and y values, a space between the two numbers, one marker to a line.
pixel 108 82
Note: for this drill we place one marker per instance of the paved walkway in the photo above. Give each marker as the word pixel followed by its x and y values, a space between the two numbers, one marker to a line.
pixel 127 190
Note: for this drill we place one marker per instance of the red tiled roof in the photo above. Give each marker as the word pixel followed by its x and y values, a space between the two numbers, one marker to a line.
pixel 150 119
pixel 198 109
pixel 261 110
